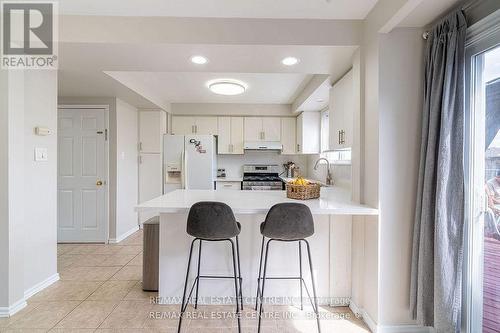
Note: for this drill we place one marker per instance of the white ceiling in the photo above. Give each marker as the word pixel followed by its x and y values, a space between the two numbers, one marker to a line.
pixel 427 12
pixel 306 9
pixel 191 87
pixel 163 73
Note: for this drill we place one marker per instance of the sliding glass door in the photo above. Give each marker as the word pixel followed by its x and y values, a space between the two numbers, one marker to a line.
pixel 482 134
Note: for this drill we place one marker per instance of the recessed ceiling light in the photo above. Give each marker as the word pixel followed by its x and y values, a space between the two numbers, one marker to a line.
pixel 227 87
pixel 199 60
pixel 289 61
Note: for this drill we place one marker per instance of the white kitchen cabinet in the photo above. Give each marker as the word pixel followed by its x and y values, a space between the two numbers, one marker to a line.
pixel 183 125
pixel 150 180
pixel 271 126
pixel 262 129
pixel 288 136
pixel 202 125
pixel 152 126
pixel 206 125
pixel 341 112
pixel 228 186
pixel 253 128
pixel 230 139
pixel 224 139
pixel 237 129
pixel 308 132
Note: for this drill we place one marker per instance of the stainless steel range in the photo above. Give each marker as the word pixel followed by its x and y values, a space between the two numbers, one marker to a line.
pixel 262 177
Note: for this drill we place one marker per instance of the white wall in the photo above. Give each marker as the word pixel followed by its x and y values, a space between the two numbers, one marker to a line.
pixel 126 167
pixel 12 190
pixel 232 109
pixel 40 260
pixel 28 254
pixel 401 68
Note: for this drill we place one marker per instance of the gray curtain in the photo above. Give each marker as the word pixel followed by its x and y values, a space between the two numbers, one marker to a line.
pixel 436 287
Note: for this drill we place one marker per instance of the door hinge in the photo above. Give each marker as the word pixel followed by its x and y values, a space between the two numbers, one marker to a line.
pixel 106 134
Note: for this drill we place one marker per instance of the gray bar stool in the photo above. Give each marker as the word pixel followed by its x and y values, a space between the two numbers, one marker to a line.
pixel 213 222
pixel 287 222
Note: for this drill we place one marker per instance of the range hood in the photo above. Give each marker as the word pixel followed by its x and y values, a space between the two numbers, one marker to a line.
pixel 275 146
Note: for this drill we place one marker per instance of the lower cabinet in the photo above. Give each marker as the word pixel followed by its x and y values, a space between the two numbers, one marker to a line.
pixel 228 186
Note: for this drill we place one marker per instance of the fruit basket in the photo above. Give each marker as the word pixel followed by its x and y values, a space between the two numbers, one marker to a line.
pixel 301 189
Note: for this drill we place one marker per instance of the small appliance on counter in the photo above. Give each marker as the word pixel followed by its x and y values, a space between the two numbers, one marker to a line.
pixel 291 170
pixel 262 177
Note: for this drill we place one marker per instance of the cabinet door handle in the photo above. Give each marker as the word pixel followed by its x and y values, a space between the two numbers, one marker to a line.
pixel 298 147
pixel 340 137
pixel 196 129
pixel 140 146
pixel 140 159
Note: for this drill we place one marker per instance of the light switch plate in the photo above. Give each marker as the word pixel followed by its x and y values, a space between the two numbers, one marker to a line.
pixel 41 155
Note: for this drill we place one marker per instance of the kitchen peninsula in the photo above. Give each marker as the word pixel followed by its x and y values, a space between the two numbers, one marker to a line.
pixel 330 245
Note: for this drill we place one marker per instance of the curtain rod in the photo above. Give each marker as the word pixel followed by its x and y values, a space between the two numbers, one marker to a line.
pixel 465 7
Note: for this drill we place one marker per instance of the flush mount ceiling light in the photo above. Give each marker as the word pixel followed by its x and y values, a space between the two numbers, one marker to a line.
pixel 228 87
pixel 289 61
pixel 199 60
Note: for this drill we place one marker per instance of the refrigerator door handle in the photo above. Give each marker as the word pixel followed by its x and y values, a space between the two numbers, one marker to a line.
pixel 183 169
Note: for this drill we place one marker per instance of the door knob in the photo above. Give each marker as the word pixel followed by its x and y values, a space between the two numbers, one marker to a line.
pixel 99 183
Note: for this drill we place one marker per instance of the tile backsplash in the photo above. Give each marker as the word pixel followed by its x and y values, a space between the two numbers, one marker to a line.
pixel 234 163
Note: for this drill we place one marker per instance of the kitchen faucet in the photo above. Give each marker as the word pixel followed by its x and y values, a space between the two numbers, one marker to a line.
pixel 328 174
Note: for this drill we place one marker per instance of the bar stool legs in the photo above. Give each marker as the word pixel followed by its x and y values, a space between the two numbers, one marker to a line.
pixel 198 277
pixel 301 279
pixel 260 291
pixel 259 277
pixel 240 296
pixel 236 277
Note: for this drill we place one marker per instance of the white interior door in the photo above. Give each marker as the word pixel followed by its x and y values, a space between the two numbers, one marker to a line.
pixel 82 165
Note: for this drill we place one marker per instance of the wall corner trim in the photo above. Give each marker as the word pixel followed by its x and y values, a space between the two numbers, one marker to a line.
pixel 124 235
pixel 9 311
pixel 40 286
pixel 358 311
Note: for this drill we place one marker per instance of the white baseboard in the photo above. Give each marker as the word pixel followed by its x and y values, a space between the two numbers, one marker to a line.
pixel 387 328
pixel 404 329
pixel 13 309
pixel 123 236
pixel 40 286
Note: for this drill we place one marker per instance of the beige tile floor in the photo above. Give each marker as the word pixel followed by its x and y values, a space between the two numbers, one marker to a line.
pixel 100 291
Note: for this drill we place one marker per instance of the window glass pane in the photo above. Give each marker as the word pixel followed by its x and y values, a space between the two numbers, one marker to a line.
pixel 488 67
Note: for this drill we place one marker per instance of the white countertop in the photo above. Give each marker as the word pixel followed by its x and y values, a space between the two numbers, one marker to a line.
pixel 333 201
pixel 229 179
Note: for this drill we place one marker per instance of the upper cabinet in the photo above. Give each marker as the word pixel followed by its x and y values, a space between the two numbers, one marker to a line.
pixel 341 112
pixel 152 126
pixel 201 125
pixel 288 136
pixel 308 132
pixel 230 140
pixel 262 129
